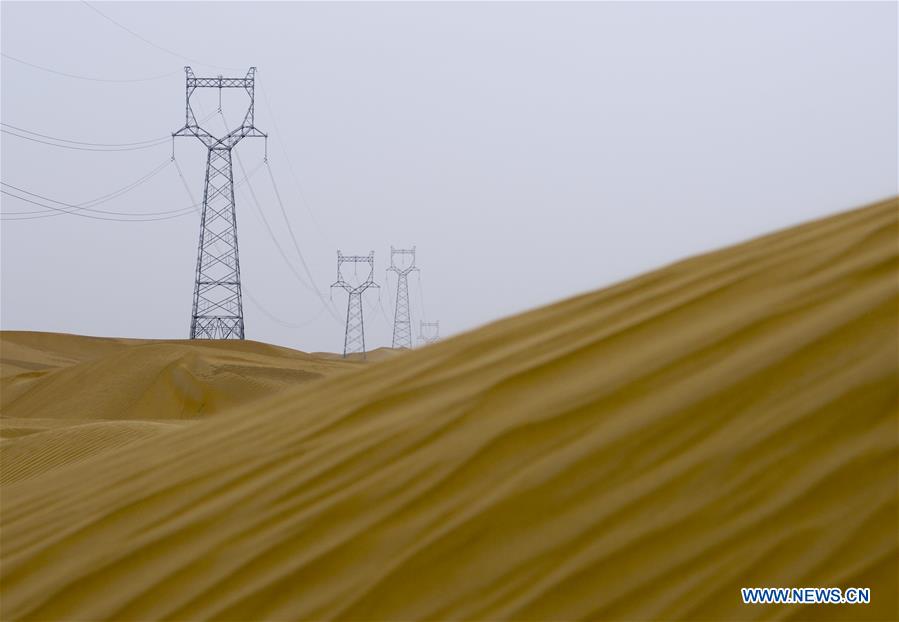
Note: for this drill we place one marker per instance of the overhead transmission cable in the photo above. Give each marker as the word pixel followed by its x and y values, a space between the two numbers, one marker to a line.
pixel 384 313
pixel 152 141
pixel 81 148
pixel 89 78
pixel 281 321
pixel 88 205
pixel 80 214
pixel 79 209
pixel 296 180
pixel 311 285
pixel 85 145
pixel 296 244
pixel 149 42
pixel 293 237
pixel 244 287
pixel 421 297
pixel 390 295
pixel 271 231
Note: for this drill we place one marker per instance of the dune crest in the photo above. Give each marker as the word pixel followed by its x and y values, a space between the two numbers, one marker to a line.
pixel 639 453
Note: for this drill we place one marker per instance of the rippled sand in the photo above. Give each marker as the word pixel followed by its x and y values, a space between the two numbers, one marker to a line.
pixel 637 453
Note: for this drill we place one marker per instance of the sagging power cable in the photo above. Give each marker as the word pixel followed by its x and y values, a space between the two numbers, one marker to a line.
pixel 89 78
pixel 311 284
pixel 244 288
pixel 149 42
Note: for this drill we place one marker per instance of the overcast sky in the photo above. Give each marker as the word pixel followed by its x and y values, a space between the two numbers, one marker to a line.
pixel 531 151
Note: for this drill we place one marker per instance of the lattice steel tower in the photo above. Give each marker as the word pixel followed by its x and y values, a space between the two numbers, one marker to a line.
pixel 354 337
pixel 217 307
pixel 432 333
pixel 402 318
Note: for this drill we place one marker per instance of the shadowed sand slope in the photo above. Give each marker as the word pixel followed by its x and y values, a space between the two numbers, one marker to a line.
pixel 636 453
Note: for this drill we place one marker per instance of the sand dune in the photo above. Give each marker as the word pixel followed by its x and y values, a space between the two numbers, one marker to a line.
pixel 64 398
pixel 23 352
pixel 144 379
pixel 637 453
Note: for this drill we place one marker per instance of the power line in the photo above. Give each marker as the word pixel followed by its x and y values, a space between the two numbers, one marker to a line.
pixel 50 211
pixel 81 208
pixel 151 43
pixel 290 168
pixel 383 312
pixel 280 321
pixel 87 205
pixel 246 290
pixel 186 186
pixel 89 146
pixel 89 78
pixel 9 217
pixel 80 148
pixel 293 238
pixel 311 285
pixel 154 141
pixel 421 297
pixel 131 146
pixel 271 232
pixel 390 294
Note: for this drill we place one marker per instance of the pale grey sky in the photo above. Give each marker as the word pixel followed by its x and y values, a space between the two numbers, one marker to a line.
pixel 531 151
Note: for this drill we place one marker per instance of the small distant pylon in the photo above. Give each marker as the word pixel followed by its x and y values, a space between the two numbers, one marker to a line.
pixel 354 337
pixel 402 318
pixel 429 332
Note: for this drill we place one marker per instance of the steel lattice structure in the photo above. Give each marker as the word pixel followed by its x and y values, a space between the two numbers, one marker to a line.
pixel 217 306
pixel 402 318
pixel 433 333
pixel 354 337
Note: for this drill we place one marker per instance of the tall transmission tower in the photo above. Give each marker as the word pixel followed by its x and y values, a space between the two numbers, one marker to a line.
pixel 354 337
pixel 429 332
pixel 402 318
pixel 217 306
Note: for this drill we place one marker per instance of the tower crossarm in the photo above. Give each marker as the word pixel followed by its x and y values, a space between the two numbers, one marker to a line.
pixel 356 258
pixel 246 129
pixel 406 270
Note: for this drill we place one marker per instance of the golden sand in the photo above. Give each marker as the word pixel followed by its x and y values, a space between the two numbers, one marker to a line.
pixel 637 453
pixel 64 398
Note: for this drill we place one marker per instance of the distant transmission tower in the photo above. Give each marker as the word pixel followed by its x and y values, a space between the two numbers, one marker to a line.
pixel 402 319
pixel 354 338
pixel 217 307
pixel 432 333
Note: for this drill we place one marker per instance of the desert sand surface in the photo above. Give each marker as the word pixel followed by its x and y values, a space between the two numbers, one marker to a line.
pixel 64 398
pixel 636 453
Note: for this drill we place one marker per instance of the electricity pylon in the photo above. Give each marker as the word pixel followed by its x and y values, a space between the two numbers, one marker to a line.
pixel 432 334
pixel 402 318
pixel 217 306
pixel 354 337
